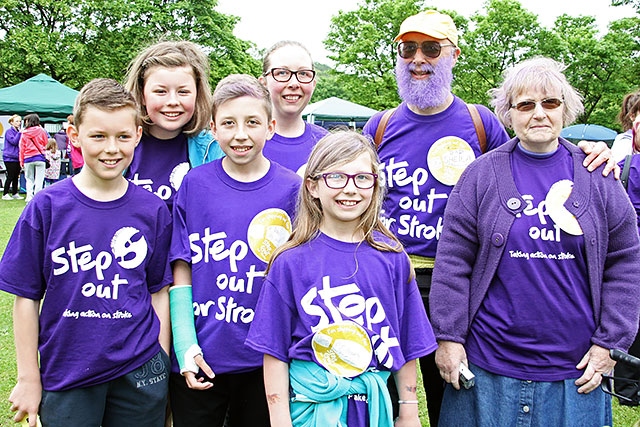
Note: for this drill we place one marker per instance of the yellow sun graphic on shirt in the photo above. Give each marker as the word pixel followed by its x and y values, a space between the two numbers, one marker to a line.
pixel 343 348
pixel 268 230
pixel 448 157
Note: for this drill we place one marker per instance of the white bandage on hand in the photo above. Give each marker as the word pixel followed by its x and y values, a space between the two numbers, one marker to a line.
pixel 189 363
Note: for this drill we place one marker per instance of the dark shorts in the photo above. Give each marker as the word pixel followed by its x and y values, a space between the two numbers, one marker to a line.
pixel 138 398
pixel 238 397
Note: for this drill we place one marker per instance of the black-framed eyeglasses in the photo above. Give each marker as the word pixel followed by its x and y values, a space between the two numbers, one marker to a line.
pixel 283 75
pixel 338 180
pixel 430 49
pixel 547 104
pixel 609 382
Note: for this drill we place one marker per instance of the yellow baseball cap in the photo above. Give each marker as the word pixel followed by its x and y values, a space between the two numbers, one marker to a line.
pixel 432 23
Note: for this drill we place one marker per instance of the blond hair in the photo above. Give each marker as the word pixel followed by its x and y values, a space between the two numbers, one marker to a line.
pixel 15 116
pixel 173 54
pixel 266 61
pixel 334 150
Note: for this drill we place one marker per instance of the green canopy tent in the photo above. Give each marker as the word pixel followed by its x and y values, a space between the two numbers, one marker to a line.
pixel 334 111
pixel 41 94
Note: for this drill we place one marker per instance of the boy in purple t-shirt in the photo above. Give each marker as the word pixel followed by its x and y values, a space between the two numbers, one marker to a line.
pixel 229 216
pixel 92 309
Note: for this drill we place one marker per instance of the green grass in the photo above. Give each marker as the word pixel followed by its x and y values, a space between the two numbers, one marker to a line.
pixel 9 212
pixel 623 416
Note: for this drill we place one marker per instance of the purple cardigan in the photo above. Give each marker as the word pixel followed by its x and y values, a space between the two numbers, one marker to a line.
pixel 478 217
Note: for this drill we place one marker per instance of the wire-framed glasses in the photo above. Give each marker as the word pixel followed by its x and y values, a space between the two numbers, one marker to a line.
pixel 283 75
pixel 338 180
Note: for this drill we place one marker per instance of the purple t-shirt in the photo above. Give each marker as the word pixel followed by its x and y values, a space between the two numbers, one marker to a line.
pixel 292 153
pixel 423 157
pixel 536 320
pixel 96 265
pixel 633 186
pixel 324 282
pixel 159 165
pixel 227 230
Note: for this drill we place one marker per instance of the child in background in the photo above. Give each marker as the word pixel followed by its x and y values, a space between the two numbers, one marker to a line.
pixel 229 215
pixel 54 156
pixel 623 144
pixel 94 352
pixel 340 308
pixel 287 71
pixel 74 152
pixel 170 81
pixel 631 180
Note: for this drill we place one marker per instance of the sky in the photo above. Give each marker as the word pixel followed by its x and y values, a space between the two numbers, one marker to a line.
pixel 308 22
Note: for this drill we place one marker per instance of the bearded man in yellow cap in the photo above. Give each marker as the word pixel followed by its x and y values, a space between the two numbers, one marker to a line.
pixel 424 145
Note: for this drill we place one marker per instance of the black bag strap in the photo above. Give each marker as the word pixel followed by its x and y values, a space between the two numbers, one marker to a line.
pixel 624 177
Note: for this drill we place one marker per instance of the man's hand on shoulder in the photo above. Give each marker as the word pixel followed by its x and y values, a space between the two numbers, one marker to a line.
pixel 599 153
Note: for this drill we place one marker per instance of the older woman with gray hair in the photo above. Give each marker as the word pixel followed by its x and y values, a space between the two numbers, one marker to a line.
pixel 537 270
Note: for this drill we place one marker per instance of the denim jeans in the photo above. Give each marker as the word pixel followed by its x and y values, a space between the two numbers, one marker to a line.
pixel 138 398
pixel 498 401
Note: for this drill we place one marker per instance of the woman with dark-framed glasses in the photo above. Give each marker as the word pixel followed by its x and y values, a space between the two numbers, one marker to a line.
pixel 537 269
pixel 288 74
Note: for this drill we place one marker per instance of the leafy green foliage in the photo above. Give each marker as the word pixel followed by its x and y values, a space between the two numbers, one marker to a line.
pixel 603 68
pixel 634 3
pixel 361 44
pixel 504 36
pixel 75 41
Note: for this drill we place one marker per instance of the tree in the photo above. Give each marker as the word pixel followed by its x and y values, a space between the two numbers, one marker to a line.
pixel 505 35
pixel 600 68
pixel 75 41
pixel 634 3
pixel 362 45
pixel 328 84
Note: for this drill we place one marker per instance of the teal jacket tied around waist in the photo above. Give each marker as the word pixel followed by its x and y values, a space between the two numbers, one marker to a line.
pixel 320 397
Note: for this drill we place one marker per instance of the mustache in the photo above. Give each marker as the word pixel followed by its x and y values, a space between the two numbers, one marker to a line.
pixel 423 68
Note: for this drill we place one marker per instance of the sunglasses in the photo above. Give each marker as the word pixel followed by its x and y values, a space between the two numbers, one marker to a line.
pixel 430 49
pixel 547 104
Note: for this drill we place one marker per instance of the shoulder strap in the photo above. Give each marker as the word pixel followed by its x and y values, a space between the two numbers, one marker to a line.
pixel 382 125
pixel 477 123
pixel 624 176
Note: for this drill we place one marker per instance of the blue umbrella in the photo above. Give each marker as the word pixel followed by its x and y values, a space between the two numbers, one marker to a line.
pixel 588 132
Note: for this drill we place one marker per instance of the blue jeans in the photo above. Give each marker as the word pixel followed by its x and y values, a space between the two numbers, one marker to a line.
pixel 138 398
pixel 497 400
